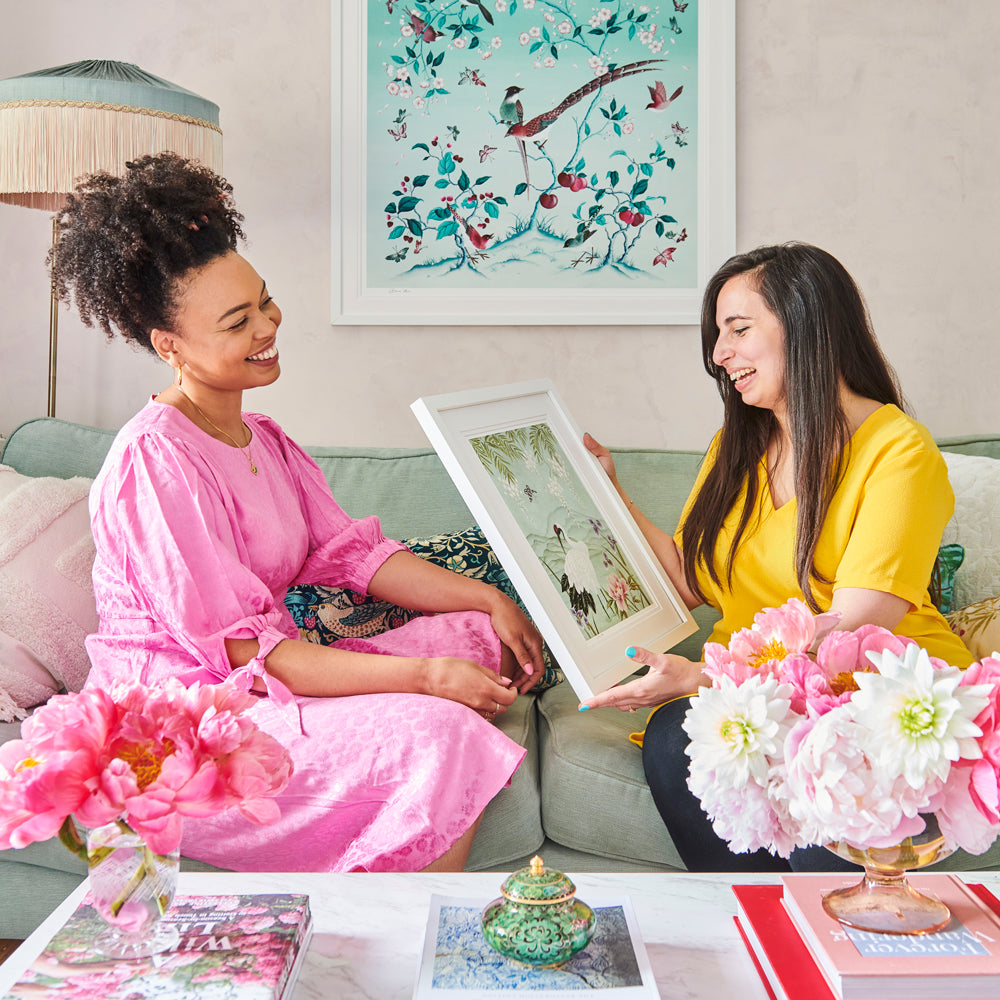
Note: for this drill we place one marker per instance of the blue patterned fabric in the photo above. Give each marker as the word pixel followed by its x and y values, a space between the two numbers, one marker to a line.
pixel 326 614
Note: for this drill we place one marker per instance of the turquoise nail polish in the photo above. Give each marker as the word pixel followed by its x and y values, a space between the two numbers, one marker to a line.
pixel 630 651
pixel 583 708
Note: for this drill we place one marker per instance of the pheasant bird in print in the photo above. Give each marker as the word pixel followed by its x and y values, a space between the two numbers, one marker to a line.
pixel 522 130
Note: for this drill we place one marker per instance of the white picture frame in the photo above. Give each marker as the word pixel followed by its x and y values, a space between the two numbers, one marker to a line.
pixel 534 269
pixel 518 460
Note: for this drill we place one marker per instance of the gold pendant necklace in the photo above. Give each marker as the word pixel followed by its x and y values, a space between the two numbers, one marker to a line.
pixel 243 448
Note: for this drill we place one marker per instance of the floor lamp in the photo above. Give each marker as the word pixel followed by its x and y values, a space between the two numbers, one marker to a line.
pixel 56 125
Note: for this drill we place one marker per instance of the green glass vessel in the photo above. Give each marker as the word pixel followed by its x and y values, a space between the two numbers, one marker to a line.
pixel 538 919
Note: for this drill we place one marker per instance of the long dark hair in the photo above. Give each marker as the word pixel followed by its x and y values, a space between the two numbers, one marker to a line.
pixel 828 336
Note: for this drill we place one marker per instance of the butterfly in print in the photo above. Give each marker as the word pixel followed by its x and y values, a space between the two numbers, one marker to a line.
pixel 398 133
pixel 485 152
pixel 679 7
pixel 529 492
pixel 471 76
pixel 398 255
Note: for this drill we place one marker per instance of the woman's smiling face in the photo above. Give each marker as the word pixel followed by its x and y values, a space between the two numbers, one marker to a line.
pixel 750 345
pixel 225 327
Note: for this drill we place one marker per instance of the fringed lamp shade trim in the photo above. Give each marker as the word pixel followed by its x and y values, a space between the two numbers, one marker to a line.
pixel 58 125
pixel 58 142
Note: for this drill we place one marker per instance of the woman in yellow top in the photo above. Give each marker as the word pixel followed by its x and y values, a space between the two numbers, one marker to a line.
pixel 818 486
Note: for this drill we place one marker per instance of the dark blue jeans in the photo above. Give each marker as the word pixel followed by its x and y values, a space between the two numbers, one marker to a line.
pixel 700 848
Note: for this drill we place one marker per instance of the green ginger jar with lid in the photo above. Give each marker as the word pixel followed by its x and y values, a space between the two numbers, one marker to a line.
pixel 538 919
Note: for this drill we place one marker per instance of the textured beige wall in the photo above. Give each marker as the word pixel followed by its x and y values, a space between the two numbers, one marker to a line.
pixel 869 129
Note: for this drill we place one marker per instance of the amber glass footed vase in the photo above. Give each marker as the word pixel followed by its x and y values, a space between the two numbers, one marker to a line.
pixel 884 901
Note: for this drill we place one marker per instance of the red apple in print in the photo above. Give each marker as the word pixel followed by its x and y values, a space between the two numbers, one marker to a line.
pixel 625 215
pixel 565 179
pixel 549 200
pixel 638 219
pixel 579 183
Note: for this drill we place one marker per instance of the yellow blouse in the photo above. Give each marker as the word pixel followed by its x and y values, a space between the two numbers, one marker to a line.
pixel 882 532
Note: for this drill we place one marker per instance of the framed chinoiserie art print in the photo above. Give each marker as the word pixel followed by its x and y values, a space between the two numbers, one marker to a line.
pixel 562 533
pixel 530 161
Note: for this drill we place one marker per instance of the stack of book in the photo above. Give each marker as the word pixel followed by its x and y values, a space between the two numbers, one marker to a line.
pixel 802 953
pixel 240 947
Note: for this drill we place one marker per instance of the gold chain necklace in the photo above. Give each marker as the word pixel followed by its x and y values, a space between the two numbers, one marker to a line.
pixel 243 448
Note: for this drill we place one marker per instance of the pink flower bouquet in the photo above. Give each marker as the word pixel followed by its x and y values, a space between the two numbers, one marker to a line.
pixel 144 757
pixel 809 735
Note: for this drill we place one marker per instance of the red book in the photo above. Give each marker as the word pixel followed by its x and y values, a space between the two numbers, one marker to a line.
pixel 963 958
pixel 784 962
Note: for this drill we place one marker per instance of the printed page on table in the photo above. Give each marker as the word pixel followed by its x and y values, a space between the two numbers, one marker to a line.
pixel 457 963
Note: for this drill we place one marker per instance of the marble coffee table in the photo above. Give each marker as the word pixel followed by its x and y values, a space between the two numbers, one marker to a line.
pixel 369 929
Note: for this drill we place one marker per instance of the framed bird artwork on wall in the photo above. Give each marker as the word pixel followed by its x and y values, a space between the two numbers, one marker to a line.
pixel 530 161
pixel 571 549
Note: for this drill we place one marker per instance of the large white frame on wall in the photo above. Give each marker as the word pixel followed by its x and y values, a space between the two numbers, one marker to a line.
pixel 473 267
pixel 457 424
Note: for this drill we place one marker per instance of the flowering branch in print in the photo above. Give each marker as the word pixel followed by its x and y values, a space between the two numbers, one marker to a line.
pixel 591 211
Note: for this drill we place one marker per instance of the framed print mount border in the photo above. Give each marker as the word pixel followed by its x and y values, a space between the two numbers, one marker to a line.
pixel 530 161
pixel 572 551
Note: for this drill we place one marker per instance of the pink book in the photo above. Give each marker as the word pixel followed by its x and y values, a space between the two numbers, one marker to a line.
pixel 963 959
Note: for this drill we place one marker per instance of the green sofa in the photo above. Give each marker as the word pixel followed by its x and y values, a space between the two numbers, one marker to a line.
pixel 579 798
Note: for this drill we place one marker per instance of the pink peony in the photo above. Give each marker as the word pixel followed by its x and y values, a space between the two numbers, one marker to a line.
pixel 145 756
pixel 619 590
pixel 984 777
pixel 776 634
pixel 836 793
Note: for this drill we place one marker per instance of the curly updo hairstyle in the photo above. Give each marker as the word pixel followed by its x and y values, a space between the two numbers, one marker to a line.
pixel 125 242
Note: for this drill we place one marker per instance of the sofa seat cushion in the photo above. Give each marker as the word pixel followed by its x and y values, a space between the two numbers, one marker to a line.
pixel 512 822
pixel 594 792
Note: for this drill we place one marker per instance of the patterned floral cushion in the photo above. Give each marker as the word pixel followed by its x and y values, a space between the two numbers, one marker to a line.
pixel 326 614
pixel 979 626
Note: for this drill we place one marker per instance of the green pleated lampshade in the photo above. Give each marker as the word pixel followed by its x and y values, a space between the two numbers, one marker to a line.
pixel 56 125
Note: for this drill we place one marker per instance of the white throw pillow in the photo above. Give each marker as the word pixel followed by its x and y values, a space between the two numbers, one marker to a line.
pixel 975 526
pixel 24 681
pixel 46 595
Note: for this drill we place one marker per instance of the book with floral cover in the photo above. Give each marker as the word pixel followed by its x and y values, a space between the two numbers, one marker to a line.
pixel 240 947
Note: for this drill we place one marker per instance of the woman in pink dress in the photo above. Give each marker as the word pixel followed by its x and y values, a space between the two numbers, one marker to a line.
pixel 204 515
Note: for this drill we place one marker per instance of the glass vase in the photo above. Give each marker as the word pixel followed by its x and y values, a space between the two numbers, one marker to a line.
pixel 884 901
pixel 131 888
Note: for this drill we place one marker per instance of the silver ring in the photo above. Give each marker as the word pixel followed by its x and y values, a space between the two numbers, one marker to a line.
pixel 497 707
